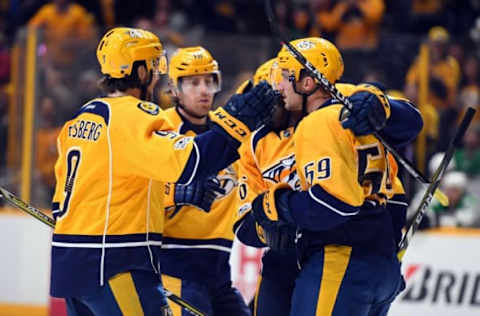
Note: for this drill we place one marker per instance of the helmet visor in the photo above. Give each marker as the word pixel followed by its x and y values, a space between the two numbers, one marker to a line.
pixel 209 83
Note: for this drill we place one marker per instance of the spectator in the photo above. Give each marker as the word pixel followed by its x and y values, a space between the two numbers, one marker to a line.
pixel 59 88
pixel 435 73
pixel 463 209
pixel 67 26
pixel 319 7
pixel 356 23
pixel 46 145
pixel 470 90
pixel 301 22
pixel 163 26
pixel 425 144
pixel 467 159
pixel 426 13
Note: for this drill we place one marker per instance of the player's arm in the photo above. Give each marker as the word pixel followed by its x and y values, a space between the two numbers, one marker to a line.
pixel 250 185
pixel 233 124
pixel 397 120
pixel 404 124
pixel 152 150
pixel 327 169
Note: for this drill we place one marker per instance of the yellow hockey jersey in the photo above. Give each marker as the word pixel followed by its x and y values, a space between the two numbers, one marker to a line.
pixel 346 181
pixel 270 158
pixel 108 202
pixel 196 244
pixel 349 168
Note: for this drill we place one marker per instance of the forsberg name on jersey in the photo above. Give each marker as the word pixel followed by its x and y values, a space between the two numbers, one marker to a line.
pixel 85 129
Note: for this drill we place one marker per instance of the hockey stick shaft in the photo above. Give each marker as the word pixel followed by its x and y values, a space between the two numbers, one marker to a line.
pixel 24 206
pixel 49 221
pixel 437 177
pixel 333 91
pixel 181 302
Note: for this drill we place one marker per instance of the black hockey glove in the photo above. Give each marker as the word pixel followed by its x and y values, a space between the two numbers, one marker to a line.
pixel 245 112
pixel 200 194
pixel 277 230
pixel 370 112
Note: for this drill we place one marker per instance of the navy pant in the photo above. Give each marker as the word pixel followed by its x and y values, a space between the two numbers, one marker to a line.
pixel 340 282
pixel 223 300
pixel 130 293
pixel 276 284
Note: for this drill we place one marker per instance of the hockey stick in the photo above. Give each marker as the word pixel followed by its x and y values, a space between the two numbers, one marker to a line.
pixel 334 93
pixel 44 218
pixel 13 200
pixel 437 177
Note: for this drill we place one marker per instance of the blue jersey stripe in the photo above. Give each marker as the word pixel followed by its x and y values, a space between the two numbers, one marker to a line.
pixel 95 107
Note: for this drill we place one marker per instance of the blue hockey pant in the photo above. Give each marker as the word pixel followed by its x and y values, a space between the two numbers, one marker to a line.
pixel 129 293
pixel 337 281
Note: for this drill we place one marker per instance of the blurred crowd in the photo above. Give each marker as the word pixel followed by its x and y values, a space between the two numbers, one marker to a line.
pixel 425 50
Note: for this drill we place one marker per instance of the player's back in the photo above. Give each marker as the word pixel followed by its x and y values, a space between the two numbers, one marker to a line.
pixel 104 201
pixel 97 177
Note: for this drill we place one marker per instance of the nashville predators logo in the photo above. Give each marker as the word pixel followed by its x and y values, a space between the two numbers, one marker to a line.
pixel 283 172
pixel 149 108
pixel 228 181
pixel 305 45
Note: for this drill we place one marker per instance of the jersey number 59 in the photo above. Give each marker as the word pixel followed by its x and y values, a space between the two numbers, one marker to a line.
pixel 317 171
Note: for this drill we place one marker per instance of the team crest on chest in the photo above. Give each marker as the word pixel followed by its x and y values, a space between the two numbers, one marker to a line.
pixel 283 171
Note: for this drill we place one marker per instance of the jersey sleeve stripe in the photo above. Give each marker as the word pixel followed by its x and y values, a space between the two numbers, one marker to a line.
pixel 89 239
pixel 319 195
pixel 191 168
pixel 258 135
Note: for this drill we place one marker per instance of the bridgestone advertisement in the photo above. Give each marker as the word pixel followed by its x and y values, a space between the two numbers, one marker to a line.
pixel 443 277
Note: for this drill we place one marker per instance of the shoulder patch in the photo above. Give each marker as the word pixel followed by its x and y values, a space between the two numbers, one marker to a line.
pixel 182 143
pixel 149 108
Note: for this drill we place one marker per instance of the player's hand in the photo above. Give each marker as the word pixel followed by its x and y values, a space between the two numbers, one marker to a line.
pixel 275 224
pixel 245 112
pixel 370 112
pixel 246 86
pixel 200 194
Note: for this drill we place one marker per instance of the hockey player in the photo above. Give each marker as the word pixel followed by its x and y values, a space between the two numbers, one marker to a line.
pixel 346 239
pixel 196 245
pixel 269 159
pixel 114 155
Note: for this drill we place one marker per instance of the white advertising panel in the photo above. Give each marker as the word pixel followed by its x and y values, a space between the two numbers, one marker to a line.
pixel 442 273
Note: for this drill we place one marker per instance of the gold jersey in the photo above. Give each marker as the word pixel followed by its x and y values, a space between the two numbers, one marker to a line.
pixel 108 202
pixel 348 167
pixel 193 236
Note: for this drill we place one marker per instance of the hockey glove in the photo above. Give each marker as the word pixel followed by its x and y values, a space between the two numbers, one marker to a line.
pixel 200 194
pixel 275 224
pixel 246 112
pixel 370 112
pixel 246 86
